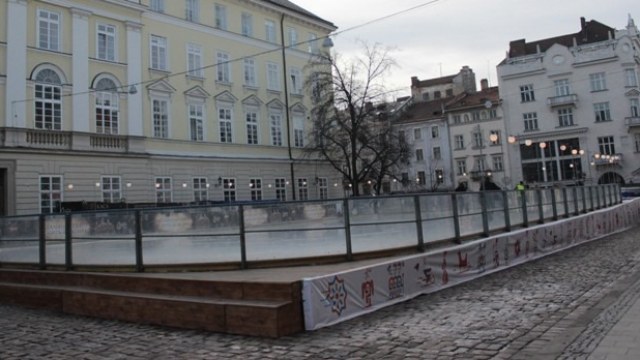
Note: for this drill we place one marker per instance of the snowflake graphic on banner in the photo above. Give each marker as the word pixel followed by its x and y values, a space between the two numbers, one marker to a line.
pixel 337 295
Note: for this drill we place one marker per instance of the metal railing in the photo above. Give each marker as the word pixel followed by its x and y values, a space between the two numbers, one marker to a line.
pixel 261 232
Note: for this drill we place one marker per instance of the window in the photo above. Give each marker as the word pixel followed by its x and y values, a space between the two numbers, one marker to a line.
pixel 298 130
pixel 276 127
pixel 436 95
pixel 106 44
pixel 194 60
pixel 111 189
pixel 246 21
pixel 497 162
pixel 439 174
pixel 200 189
pixel 251 117
pixel 435 132
pixel 478 142
pixel 273 76
pixel 419 155
pixel 475 115
pixel 303 189
pixel 229 189
pixel 480 163
pixel 425 96
pixel 312 40
pixel 107 111
pixel 602 111
pixel 630 78
pixel 636 141
pixel 437 154
pixel 296 81
pixel 530 121
pixel 401 136
pixel 225 125
pixel 606 145
pixel 157 5
pixel 417 134
pixel 281 189
pixel 457 119
pixel 48 100
pixel 495 137
pixel 635 107
pixel 192 10
pixel 270 31
pixel 50 194
pixel 449 92
pixel 323 188
pixel 256 189
pixel 598 81
pixel 459 141
pixel 196 121
pixel 293 37
pixel 250 72
pixel 48 30
pixel 159 53
pixel 422 178
pixel 461 167
pixel 565 117
pixel 223 68
pixel 160 118
pixel 163 190
pixel 220 16
pixel 562 87
pixel 526 93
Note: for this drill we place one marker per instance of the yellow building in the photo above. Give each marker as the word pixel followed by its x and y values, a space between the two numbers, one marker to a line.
pixel 156 101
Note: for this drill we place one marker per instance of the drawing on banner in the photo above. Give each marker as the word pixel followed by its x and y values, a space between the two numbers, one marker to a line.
pixel 463 262
pixel 505 250
pixel 425 277
pixel 482 257
pixel 445 274
pixel 516 247
pixel 396 279
pixel 368 288
pixel 336 295
pixel 496 254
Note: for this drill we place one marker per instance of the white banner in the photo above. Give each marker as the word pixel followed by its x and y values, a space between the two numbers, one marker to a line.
pixel 337 297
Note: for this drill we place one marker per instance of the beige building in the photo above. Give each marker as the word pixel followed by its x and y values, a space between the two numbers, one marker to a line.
pixel 156 101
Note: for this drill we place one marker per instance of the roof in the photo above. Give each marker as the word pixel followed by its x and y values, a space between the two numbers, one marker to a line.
pixel 471 100
pixel 295 8
pixel 423 111
pixel 590 32
pixel 431 82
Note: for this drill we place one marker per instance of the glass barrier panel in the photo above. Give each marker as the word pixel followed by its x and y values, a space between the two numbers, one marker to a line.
pixel 295 244
pixel 514 200
pixel 103 238
pixel 190 250
pixel 54 235
pixel 191 221
pixel 381 210
pixel 381 236
pixel 19 239
pixel 298 216
pixel 533 211
pixel 495 209
pixel 469 213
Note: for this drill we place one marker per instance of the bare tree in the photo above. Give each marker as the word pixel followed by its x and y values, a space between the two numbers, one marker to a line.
pixel 351 133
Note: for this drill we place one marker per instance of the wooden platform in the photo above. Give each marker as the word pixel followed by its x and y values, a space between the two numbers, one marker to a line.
pixel 258 308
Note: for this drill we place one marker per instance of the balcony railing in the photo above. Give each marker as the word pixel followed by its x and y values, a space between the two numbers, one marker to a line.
pixel 108 142
pixel 48 139
pixel 563 100
pixel 613 159
pixel 632 121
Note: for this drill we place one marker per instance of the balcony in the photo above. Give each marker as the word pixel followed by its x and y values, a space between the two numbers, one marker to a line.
pixel 633 121
pixel 563 100
pixel 65 140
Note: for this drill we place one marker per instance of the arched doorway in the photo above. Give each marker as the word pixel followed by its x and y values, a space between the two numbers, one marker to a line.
pixel 610 178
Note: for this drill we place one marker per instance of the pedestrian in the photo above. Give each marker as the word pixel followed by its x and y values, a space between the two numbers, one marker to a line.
pixel 462 186
pixel 521 186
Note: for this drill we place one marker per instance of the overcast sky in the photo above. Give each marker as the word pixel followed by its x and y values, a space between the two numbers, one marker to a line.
pixel 442 36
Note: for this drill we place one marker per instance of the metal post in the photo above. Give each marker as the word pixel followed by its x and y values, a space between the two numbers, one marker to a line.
pixel 598 197
pixel 591 198
pixel 584 200
pixel 566 202
pixel 416 206
pixel 68 261
pixel 525 216
pixel 575 201
pixel 347 228
pixel 42 244
pixel 507 215
pixel 456 218
pixel 611 201
pixel 138 241
pixel 540 206
pixel 554 206
pixel 485 215
pixel 243 240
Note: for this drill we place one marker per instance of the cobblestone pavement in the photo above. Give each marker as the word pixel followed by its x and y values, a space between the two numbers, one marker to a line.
pixel 556 307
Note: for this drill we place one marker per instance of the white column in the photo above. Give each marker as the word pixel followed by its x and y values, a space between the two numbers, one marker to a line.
pixel 16 83
pixel 80 72
pixel 134 77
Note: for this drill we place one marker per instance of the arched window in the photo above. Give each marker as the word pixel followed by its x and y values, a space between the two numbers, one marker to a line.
pixel 106 107
pixel 48 100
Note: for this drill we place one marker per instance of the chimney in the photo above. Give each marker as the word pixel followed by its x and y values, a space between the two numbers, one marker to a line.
pixel 484 84
pixel 414 81
pixel 583 23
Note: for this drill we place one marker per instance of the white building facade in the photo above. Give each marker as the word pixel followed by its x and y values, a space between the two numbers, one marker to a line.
pixel 572 106
pixel 156 101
